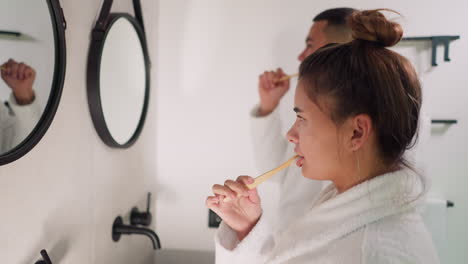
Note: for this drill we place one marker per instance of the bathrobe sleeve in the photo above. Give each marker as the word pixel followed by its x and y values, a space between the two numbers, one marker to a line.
pixel 7 129
pixel 26 118
pixel 254 248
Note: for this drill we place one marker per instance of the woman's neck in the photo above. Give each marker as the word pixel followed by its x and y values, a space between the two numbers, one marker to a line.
pixel 360 171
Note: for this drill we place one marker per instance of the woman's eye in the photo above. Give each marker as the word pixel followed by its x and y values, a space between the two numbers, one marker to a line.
pixel 300 117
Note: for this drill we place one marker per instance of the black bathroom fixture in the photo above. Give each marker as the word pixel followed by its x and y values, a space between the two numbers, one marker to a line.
pixel 10 33
pixel 119 228
pixel 45 258
pixel 444 121
pixel 141 218
pixel 436 40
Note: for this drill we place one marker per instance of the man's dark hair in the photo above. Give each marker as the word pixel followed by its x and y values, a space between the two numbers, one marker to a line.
pixel 337 29
pixel 335 16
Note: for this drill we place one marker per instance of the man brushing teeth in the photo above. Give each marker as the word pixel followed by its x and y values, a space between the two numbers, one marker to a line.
pixel 270 146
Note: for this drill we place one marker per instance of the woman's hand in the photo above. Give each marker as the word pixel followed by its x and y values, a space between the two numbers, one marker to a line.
pixel 238 206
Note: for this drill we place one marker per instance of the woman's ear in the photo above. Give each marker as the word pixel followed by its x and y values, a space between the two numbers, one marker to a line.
pixel 361 126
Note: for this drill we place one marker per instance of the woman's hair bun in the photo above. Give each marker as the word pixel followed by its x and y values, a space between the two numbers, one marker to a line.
pixel 371 25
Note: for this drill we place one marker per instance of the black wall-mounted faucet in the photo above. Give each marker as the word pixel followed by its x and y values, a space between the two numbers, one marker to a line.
pixel 118 229
pixel 141 218
pixel 45 258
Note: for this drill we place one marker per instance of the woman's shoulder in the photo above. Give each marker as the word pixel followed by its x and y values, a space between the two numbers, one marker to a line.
pixel 401 238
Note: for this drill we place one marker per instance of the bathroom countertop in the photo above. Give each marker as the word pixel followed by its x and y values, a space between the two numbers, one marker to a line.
pixel 177 256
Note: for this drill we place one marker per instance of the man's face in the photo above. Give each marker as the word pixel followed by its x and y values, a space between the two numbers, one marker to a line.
pixel 315 39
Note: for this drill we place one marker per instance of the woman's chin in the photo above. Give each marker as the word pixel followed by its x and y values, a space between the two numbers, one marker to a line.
pixel 306 173
pixel 309 174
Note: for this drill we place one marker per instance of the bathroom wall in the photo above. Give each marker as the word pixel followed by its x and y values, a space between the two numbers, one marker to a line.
pixel 206 54
pixel 64 195
pixel 210 54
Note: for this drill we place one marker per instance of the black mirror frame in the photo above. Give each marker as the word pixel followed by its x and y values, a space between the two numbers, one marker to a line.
pixel 98 38
pixel 59 26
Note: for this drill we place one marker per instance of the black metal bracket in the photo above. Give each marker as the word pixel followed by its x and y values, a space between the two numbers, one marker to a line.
pixel 10 33
pixel 444 121
pixel 436 40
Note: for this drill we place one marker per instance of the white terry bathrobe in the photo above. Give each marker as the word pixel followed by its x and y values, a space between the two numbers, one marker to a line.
pixel 374 222
pixel 17 122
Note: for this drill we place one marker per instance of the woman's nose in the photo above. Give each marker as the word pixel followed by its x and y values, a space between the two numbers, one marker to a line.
pixel 292 136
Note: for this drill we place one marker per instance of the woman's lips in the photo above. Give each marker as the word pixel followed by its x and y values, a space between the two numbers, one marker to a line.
pixel 299 161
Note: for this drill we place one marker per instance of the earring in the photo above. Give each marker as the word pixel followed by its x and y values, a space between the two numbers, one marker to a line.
pixel 358 165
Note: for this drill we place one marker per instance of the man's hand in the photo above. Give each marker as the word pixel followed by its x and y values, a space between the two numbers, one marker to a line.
pixel 20 78
pixel 271 90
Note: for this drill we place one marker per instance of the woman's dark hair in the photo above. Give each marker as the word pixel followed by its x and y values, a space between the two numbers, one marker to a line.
pixel 364 77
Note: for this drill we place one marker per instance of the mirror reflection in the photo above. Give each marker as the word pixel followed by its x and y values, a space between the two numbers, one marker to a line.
pixel 122 94
pixel 27 68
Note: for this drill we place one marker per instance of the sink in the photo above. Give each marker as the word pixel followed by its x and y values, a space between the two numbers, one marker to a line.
pixel 182 256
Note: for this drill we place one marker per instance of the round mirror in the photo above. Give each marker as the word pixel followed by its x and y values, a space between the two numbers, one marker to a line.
pixel 118 80
pixel 32 70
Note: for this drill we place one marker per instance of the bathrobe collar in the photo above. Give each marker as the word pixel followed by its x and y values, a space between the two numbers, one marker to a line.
pixel 332 216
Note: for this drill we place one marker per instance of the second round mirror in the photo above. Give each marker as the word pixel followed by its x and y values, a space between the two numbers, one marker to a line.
pixel 118 78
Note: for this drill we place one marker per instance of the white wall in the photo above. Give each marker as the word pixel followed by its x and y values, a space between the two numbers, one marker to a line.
pixel 65 193
pixel 209 56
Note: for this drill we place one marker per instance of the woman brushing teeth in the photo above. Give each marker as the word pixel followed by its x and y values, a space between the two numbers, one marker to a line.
pixel 357 107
